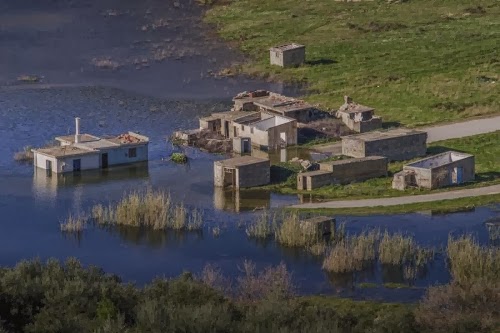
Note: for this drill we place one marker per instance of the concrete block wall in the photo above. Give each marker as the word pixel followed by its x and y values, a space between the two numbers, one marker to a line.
pixel 255 174
pixel 356 169
pixel 398 148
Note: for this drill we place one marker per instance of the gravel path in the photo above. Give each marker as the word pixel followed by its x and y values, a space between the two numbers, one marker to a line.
pixel 472 192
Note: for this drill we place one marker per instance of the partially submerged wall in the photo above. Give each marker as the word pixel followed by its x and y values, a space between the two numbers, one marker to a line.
pixel 356 169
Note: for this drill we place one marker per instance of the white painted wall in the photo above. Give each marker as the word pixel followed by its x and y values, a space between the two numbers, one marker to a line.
pixel 117 156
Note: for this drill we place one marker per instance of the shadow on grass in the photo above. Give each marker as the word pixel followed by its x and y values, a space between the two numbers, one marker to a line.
pixel 321 62
pixel 391 124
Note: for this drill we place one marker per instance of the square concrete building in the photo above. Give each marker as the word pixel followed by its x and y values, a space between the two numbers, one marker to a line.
pixel 242 171
pixel 445 169
pixel 289 55
pixel 397 145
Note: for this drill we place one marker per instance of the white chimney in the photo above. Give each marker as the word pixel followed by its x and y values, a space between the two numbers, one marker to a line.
pixel 77 130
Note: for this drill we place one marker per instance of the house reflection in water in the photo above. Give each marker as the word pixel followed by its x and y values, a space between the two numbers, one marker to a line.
pixel 239 201
pixel 46 184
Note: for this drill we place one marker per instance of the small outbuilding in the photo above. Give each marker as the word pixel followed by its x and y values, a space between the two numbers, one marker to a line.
pixel 289 55
pixel 445 169
pixel 397 145
pixel 343 172
pixel 357 117
pixel 242 171
pixel 320 225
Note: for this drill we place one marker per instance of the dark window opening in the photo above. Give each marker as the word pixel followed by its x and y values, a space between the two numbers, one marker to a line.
pixel 132 152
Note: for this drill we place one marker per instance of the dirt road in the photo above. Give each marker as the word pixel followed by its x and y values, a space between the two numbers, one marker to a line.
pixel 472 192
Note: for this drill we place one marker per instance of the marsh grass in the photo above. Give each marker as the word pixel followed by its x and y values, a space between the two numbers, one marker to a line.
pixel 264 226
pixel 352 253
pixel 150 209
pixel 292 233
pixel 471 263
pixel 25 155
pixel 74 224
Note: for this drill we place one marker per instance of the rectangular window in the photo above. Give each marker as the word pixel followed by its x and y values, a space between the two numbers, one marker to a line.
pixel 242 127
pixel 132 152
pixel 251 130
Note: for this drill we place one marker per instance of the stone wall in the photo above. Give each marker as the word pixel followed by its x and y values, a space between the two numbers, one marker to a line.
pixel 369 125
pixel 356 169
pixel 255 174
pixel 307 181
pixel 395 148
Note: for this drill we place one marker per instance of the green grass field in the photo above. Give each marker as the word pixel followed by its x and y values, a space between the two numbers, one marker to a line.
pixel 417 62
pixel 484 147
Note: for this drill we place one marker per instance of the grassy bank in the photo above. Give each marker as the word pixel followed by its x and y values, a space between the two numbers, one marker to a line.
pixel 416 62
pixel 484 147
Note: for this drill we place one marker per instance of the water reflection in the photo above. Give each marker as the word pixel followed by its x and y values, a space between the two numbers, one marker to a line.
pixel 238 201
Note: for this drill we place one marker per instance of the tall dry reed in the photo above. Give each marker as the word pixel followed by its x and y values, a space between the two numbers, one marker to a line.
pixel 74 224
pixel 263 226
pixel 471 263
pixel 292 233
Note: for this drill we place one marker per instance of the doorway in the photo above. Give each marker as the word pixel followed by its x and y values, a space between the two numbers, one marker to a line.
pixel 457 175
pixel 226 129
pixel 104 160
pixel 77 165
pixel 283 139
pixel 229 177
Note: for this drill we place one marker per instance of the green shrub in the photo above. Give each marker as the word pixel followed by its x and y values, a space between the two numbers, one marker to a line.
pixel 179 158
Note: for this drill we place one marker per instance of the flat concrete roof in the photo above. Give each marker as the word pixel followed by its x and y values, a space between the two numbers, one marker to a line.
pixel 281 103
pixel 382 135
pixel 234 115
pixel 353 160
pixel 64 151
pixel 241 160
pixel 314 173
pixel 354 108
pixel 83 138
pixel 287 47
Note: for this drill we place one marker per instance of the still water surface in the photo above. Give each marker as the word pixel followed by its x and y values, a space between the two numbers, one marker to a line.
pixel 32 205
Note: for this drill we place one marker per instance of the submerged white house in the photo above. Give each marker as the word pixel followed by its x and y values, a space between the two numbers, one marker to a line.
pixel 86 152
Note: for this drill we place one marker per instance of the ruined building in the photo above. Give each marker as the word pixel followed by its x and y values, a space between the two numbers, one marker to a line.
pixel 265 131
pixel 273 103
pixel 242 171
pixel 289 55
pixel 397 145
pixel 343 172
pixel 85 152
pixel 449 168
pixel 357 117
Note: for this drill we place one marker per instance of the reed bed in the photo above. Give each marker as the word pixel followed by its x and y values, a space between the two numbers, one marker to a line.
pixel 352 253
pixel 293 234
pixel 264 226
pixel 74 224
pixel 471 263
pixel 151 209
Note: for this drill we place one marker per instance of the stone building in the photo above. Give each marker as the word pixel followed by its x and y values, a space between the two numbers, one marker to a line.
pixel 266 131
pixel 241 172
pixel 357 117
pixel 397 145
pixel 289 55
pixel 86 152
pixel 343 172
pixel 273 103
pixel 449 168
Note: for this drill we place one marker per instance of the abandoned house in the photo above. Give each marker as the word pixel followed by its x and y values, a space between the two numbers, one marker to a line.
pixel 319 225
pixel 397 145
pixel 273 103
pixel 241 172
pixel 85 152
pixel 266 131
pixel 343 172
pixel 357 117
pixel 449 168
pixel 289 55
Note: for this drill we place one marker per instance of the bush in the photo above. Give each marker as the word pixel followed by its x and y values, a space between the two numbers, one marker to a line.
pixel 179 158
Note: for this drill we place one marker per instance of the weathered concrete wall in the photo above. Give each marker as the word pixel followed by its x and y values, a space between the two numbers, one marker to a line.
pixel 274 135
pixel 311 180
pixel 255 174
pixel 353 147
pixel 213 125
pixel 242 145
pixel 366 126
pixel 356 169
pixel 218 174
pixel 398 148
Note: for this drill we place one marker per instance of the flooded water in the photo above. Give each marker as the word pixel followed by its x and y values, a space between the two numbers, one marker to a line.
pixel 155 100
